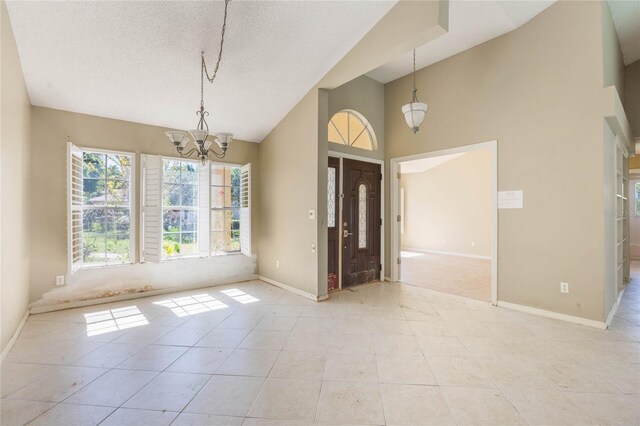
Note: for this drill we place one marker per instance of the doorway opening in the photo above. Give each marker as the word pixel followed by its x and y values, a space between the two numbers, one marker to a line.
pixel 355 222
pixel 445 234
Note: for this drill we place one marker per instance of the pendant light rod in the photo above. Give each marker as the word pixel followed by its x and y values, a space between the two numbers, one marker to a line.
pixel 414 112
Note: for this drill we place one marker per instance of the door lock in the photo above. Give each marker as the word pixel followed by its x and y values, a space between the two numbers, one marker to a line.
pixel 346 233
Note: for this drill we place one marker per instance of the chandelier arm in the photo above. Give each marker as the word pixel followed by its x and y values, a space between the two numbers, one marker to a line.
pixel 188 153
pixel 224 28
pixel 215 153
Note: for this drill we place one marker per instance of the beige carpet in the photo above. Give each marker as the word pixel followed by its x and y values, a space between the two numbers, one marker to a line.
pixel 462 276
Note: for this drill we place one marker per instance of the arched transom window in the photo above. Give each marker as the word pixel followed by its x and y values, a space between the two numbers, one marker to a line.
pixel 350 128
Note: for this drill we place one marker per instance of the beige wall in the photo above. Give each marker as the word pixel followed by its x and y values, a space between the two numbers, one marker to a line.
pixel 535 90
pixel 15 124
pixel 613 65
pixel 289 165
pixel 50 130
pixel 632 98
pixel 366 96
pixel 448 207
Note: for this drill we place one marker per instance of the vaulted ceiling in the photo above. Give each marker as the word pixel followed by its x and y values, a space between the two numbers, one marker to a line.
pixel 140 60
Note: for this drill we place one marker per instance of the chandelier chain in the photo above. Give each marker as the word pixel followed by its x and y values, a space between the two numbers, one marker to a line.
pixel 203 70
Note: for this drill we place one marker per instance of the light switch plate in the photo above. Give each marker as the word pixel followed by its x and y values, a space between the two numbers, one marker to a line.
pixel 59 279
pixel 312 214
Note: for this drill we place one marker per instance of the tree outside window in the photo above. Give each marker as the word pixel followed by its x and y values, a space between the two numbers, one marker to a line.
pixel 225 209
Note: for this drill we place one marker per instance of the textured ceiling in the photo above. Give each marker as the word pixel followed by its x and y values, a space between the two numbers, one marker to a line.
pixel 140 61
pixel 470 23
pixel 626 16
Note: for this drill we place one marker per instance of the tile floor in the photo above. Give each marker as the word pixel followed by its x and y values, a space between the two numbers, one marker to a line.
pixel 375 354
pixel 462 276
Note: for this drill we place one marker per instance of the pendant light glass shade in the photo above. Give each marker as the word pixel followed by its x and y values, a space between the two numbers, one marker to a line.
pixel 414 113
pixel 199 135
pixel 177 138
pixel 224 139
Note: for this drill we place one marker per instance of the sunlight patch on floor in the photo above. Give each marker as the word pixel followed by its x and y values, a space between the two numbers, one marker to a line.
pixel 410 254
pixel 240 296
pixel 113 320
pixel 192 305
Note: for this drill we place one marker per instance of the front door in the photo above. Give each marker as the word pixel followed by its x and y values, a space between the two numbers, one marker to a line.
pixel 333 224
pixel 361 222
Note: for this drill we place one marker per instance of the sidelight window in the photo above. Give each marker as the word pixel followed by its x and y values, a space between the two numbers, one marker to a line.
pixel 362 216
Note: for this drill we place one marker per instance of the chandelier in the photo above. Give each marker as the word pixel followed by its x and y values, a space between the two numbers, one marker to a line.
pixel 202 149
pixel 414 111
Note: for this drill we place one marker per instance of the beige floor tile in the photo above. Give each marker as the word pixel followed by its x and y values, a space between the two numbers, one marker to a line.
pixel 396 345
pixel 516 372
pixel 351 368
pixel 287 399
pixel 414 405
pixel 299 365
pixel 146 334
pixel 153 358
pixel 404 369
pixel 200 360
pixel 59 384
pixel 134 417
pixel 19 412
pixel 223 338
pixel 16 375
pixel 269 340
pixel 361 344
pixel 182 336
pixel 608 409
pixel 70 414
pixel 254 421
pixel 350 403
pixel 226 396
pixel 108 355
pixel 460 372
pixel 442 346
pixel 190 419
pixel 308 342
pixel 572 377
pixel 113 388
pixel 248 362
pixel 276 323
pixel 547 407
pixel 481 406
pixel 168 392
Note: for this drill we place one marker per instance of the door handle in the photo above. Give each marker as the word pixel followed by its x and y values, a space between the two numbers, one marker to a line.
pixel 346 233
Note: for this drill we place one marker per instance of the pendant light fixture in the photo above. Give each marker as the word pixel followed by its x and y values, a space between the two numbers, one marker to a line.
pixel 202 149
pixel 414 111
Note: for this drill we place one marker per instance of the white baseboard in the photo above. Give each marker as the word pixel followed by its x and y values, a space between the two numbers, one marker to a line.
pixel 293 290
pixel 40 309
pixel 13 339
pixel 553 315
pixel 448 253
pixel 614 308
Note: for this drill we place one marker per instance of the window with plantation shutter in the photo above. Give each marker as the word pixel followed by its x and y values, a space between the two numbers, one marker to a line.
pixel 245 209
pixel 151 220
pixel 74 207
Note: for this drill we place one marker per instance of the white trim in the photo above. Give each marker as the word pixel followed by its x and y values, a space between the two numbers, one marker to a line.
pixel 293 290
pixel 553 315
pixel 394 167
pixel 13 339
pixel 614 308
pixel 41 309
pixel 341 156
pixel 447 253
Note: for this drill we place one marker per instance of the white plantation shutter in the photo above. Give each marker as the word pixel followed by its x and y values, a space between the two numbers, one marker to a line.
pixel 245 209
pixel 151 208
pixel 204 209
pixel 74 207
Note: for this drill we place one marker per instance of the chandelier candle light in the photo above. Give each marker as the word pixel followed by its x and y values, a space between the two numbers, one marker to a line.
pixel 414 111
pixel 202 148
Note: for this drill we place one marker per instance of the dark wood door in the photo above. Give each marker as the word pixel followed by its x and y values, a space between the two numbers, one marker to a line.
pixel 361 222
pixel 333 225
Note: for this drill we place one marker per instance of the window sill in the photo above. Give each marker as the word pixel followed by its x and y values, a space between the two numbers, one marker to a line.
pixel 104 266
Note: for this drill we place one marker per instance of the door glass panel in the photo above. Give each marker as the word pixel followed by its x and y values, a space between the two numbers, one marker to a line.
pixel 362 216
pixel 331 197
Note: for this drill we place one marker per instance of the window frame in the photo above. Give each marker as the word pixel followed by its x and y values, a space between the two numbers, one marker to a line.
pixel 132 207
pixel 367 127
pixel 181 208
pixel 212 209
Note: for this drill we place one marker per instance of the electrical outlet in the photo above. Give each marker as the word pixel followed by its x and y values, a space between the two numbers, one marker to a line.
pixel 564 287
pixel 59 279
pixel 277 263
pixel 313 248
